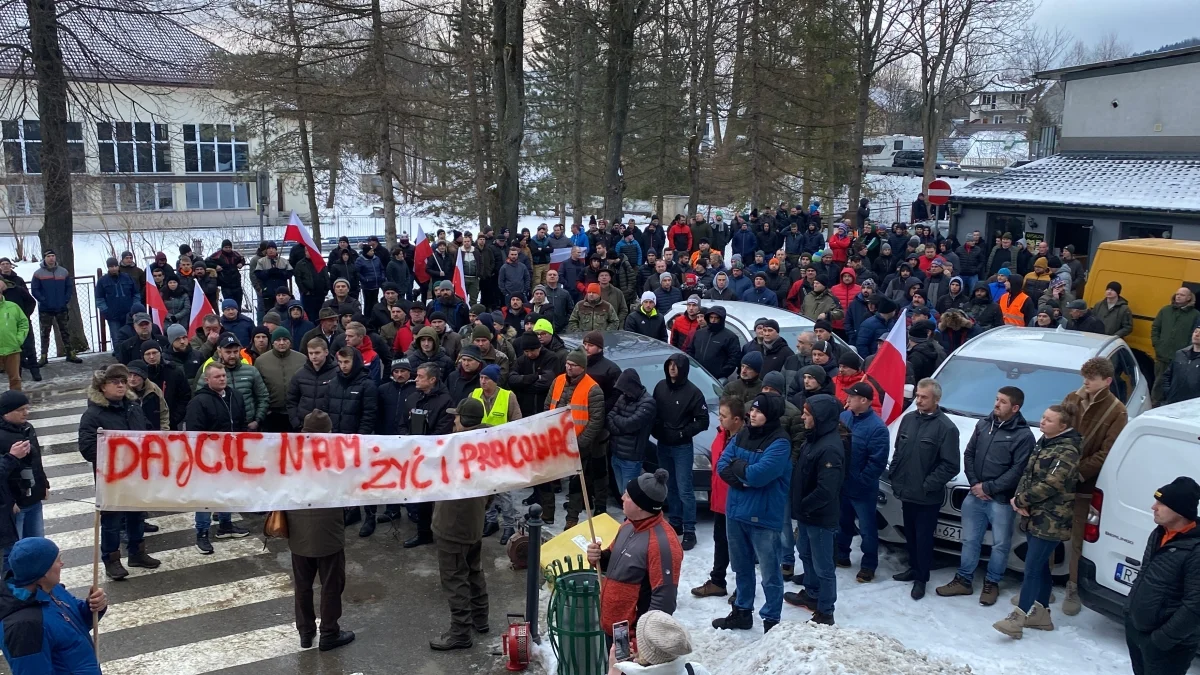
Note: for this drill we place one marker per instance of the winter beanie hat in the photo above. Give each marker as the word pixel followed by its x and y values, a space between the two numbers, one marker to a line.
pixel 1114 286
pixel 317 422
pixel 11 400
pixel 30 559
pixel 281 333
pixel 661 639
pixel 140 368
pixel 491 372
pixel 594 338
pixel 543 326
pixel 481 331
pixel 817 372
pixel 1180 495
pixel 578 358
pixel 649 491
pixel 176 331
pixel 774 380
pixel 754 360
pixel 470 411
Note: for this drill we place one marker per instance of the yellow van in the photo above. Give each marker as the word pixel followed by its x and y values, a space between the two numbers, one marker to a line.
pixel 1149 271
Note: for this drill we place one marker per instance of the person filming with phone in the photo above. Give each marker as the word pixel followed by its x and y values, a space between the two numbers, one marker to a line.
pixel 662 648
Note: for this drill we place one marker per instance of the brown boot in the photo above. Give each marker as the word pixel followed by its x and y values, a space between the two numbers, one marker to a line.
pixel 113 567
pixel 957 586
pixel 569 523
pixel 709 590
pixel 1071 604
pixel 991 592
pixel 1039 618
pixel 1012 625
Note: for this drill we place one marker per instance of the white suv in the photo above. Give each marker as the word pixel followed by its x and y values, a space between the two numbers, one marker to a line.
pixel 1044 364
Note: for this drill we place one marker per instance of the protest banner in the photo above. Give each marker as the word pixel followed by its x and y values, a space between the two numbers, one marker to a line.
pixel 249 471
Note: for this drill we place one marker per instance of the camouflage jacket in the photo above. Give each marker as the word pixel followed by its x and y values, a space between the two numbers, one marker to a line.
pixel 1047 487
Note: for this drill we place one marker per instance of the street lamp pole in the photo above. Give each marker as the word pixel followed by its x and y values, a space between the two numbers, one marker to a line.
pixel 264 189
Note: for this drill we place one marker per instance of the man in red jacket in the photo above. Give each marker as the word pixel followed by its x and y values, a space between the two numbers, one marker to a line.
pixel 839 243
pixel 845 291
pixel 732 415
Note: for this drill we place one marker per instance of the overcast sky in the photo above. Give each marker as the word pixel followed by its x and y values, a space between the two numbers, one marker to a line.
pixel 1143 25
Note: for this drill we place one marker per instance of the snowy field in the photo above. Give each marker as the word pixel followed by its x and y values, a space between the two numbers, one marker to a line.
pixel 881 630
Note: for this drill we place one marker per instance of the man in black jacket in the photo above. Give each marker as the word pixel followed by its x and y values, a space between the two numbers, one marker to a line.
pixel 1082 319
pixel 111 406
pixel 170 379
pixel 306 392
pixel 425 414
pixel 600 368
pixel 994 461
pixel 350 401
pixel 131 348
pixel 1162 621
pixel 1181 379
pixel 924 460
pixel 816 498
pixel 533 374
pixel 715 346
pixel 219 408
pixel 392 397
pixel 682 414
pixel 24 480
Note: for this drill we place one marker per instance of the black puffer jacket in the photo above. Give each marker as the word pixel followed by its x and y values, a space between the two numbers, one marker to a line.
pixel 531 380
pixel 307 390
pixel 996 455
pixel 925 459
pixel 821 468
pixel 605 373
pixel 682 412
pixel 101 413
pixel 175 389
pixel 350 400
pixel 774 356
pixel 13 433
pixel 1165 599
pixel 1181 380
pixel 715 347
pixel 391 399
pixel 210 411
pixel 630 420
pixel 923 358
pixel 424 414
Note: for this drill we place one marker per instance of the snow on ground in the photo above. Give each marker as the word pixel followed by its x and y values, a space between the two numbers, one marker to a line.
pixel 881 630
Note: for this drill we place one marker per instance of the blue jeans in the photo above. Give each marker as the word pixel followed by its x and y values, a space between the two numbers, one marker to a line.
pixel 681 496
pixel 862 510
pixel 111 523
pixel 1037 583
pixel 204 520
pixel 815 546
pixel 29 521
pixel 969 282
pixel 787 539
pixel 745 543
pixel 625 470
pixel 114 327
pixel 977 514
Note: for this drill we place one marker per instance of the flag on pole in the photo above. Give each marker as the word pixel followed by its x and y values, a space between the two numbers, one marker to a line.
pixel 200 309
pixel 460 279
pixel 420 255
pixel 559 256
pixel 296 232
pixel 889 366
pixel 155 304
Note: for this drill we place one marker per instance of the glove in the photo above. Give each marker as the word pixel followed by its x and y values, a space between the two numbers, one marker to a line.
pixel 735 474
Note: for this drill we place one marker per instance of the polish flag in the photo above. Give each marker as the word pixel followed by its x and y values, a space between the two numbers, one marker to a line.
pixel 154 303
pixel 460 279
pixel 297 233
pixel 559 256
pixel 420 255
pixel 200 309
pixel 888 368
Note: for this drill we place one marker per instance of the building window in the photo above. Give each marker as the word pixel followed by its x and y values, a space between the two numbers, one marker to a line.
pixel 1018 100
pixel 129 197
pixel 1145 231
pixel 30 200
pixel 133 147
pixel 997 119
pixel 1022 119
pixel 987 99
pixel 23 146
pixel 898 145
pixel 207 196
pixel 214 148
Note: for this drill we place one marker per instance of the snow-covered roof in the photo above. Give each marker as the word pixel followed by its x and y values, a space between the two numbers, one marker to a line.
pixel 112 41
pixel 1143 182
pixel 999 86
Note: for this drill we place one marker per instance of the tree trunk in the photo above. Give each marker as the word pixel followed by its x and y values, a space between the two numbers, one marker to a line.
pixel 310 181
pixel 508 43
pixel 856 138
pixel 335 169
pixel 58 229
pixel 576 63
pixel 383 124
pixel 623 26
pixel 468 55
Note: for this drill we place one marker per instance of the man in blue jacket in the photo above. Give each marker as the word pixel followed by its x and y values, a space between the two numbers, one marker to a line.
pixel 860 493
pixel 866 339
pixel 757 466
pixel 46 629
pixel 53 288
pixel 115 295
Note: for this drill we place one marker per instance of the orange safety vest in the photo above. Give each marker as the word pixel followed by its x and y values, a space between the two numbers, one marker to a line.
pixel 579 399
pixel 1012 309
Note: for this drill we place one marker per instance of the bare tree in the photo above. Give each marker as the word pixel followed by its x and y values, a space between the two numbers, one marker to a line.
pixel 508 49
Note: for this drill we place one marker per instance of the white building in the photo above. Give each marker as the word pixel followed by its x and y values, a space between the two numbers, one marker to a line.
pixel 154 145
pixel 1007 102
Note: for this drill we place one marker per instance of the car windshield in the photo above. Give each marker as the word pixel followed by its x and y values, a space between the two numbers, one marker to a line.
pixel 650 370
pixel 969 386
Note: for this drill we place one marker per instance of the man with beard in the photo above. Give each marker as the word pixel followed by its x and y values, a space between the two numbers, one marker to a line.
pixel 774 350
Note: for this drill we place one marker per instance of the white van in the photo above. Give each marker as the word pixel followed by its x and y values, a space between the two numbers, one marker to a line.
pixel 1154 449
pixel 878 151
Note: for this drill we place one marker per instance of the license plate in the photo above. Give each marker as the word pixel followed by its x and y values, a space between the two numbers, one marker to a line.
pixel 948 531
pixel 1126 574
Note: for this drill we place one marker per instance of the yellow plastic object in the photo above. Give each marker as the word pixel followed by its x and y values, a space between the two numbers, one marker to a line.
pixel 572 545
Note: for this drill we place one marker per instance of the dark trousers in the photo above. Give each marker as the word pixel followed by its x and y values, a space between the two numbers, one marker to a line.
pixel 1148 659
pixel 461 569
pixel 595 471
pixel 277 423
pixel 720 551
pixel 29 351
pixel 312 307
pixel 60 320
pixel 370 299
pixel 331 570
pixel 111 523
pixel 424 518
pixel 919 522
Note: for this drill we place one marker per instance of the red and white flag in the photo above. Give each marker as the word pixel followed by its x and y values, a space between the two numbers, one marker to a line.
pixel 420 255
pixel 296 232
pixel 460 279
pixel 559 256
pixel 155 304
pixel 200 309
pixel 889 368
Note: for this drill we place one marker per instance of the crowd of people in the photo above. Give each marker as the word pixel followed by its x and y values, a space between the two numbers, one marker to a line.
pixel 365 346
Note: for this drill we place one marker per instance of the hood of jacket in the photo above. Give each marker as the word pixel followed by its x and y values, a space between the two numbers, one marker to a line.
pixel 630 384
pixel 97 397
pixel 986 299
pixel 720 312
pixel 825 411
pixel 853 276
pixel 297 254
pixel 429 332
pixel 684 366
pixel 354 369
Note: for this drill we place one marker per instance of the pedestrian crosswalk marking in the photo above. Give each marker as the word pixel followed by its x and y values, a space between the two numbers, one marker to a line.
pixel 51 440
pixel 80 402
pixel 63 459
pixel 60 421
pixel 212 655
pixel 183 604
pixel 71 482
pixel 176 522
pixel 55 510
pixel 174 559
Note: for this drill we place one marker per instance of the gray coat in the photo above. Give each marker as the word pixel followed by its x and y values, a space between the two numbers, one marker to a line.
pixel 316 533
pixel 925 459
pixel 996 455
pixel 514 280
